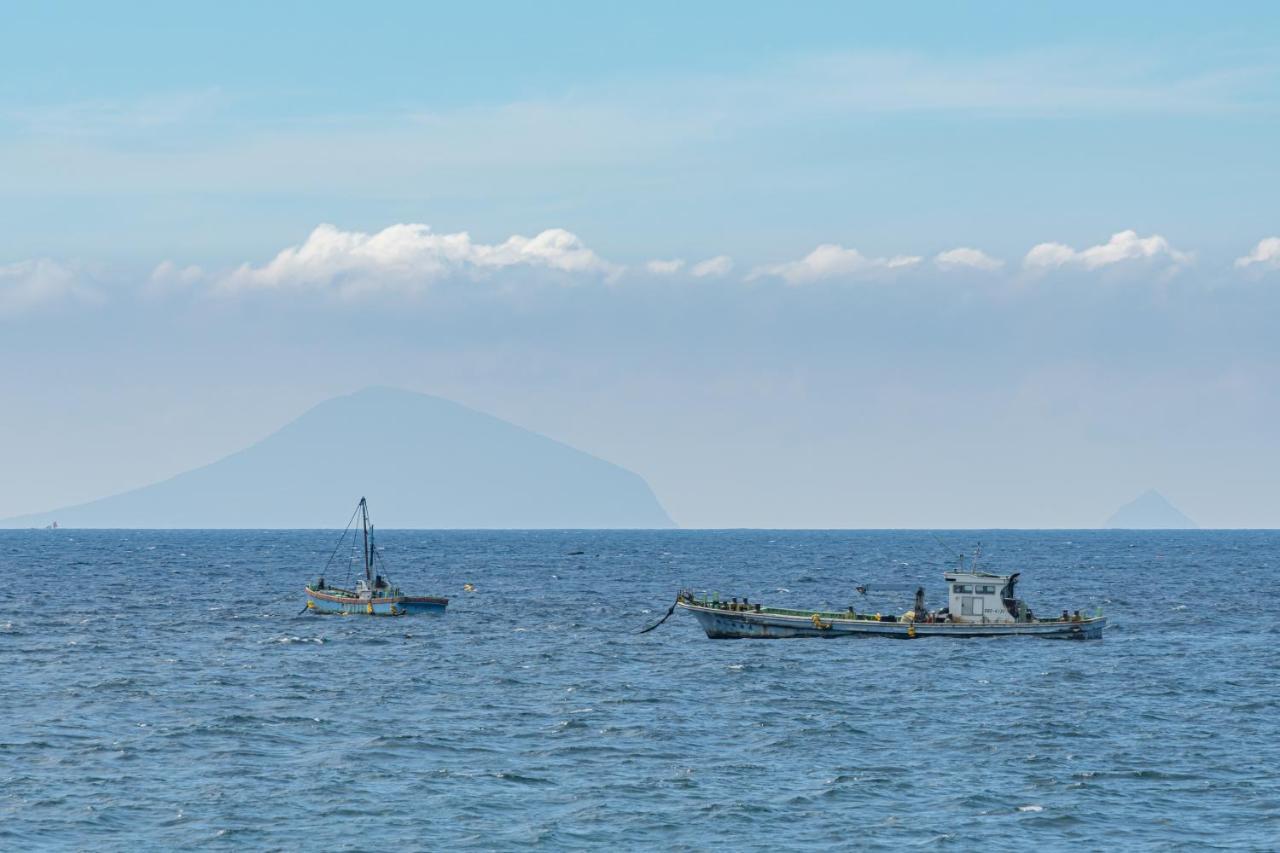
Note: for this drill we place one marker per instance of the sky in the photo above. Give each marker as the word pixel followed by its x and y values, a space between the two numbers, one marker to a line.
pixel 821 265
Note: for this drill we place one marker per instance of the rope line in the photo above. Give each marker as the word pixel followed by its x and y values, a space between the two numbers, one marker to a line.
pixel 660 621
pixel 339 543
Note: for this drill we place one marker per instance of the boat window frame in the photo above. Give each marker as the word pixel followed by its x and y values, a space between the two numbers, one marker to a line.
pixel 962 588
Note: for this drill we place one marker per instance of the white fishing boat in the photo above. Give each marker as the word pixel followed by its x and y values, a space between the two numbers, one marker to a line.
pixel 979 604
pixel 373 594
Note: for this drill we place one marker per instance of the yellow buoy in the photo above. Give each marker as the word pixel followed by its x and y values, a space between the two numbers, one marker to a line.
pixel 466 587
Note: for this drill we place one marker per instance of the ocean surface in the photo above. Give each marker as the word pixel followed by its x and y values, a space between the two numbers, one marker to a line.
pixel 162 689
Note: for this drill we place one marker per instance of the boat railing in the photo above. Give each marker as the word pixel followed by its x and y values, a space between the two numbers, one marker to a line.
pixel 824 614
pixel 713 602
pixel 846 615
pixel 1078 616
pixel 341 592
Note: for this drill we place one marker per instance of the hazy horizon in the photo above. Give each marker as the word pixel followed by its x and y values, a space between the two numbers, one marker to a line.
pixel 832 268
pixel 267 471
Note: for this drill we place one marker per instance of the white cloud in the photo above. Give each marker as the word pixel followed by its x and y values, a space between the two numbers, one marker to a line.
pixel 168 276
pixel 32 284
pixel 962 258
pixel 1123 246
pixel 717 266
pixel 830 260
pixel 1265 255
pixel 408 256
pixel 659 267
pixel 1049 255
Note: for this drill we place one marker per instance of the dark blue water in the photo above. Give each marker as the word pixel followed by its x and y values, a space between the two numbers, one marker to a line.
pixel 161 689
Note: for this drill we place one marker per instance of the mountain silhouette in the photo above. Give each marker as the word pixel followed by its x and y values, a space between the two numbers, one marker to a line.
pixel 422 461
pixel 1150 511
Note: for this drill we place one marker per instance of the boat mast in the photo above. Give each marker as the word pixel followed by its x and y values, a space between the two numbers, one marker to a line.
pixel 368 558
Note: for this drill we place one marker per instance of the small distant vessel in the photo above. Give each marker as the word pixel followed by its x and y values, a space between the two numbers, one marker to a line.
pixel 979 604
pixel 374 594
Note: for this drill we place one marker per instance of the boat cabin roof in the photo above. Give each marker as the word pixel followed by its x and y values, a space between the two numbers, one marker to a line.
pixel 974 577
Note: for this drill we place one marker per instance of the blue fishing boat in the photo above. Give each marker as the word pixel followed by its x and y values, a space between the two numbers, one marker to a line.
pixel 373 594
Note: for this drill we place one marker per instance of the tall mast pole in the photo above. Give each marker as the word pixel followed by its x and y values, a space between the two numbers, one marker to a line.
pixel 364 514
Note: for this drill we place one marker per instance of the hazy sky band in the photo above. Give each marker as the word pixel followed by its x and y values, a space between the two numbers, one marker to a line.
pixel 832 267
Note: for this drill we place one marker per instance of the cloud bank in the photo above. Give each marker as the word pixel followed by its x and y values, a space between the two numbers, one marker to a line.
pixel 710 268
pixel 962 258
pixel 831 260
pixel 409 255
pixel 1265 255
pixel 27 285
pixel 1123 246
pixel 717 266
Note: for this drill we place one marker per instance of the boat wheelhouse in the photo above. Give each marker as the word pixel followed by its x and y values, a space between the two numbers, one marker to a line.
pixel 983 598
pixel 979 604
pixel 373 594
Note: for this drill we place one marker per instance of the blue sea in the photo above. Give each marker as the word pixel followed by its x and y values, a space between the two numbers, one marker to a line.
pixel 162 690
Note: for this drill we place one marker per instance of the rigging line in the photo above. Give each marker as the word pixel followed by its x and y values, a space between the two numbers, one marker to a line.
pixel 339 543
pixel 351 561
pixel 938 539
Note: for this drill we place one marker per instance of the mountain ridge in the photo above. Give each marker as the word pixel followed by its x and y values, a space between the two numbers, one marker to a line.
pixel 423 462
pixel 1150 511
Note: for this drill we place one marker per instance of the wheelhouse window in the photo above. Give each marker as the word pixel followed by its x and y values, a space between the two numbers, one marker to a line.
pixel 962 588
pixel 985 590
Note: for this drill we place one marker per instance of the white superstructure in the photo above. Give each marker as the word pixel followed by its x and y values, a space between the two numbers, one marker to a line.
pixel 983 597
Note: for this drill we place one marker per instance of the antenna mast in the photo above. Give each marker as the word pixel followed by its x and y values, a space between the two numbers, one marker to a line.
pixel 368 559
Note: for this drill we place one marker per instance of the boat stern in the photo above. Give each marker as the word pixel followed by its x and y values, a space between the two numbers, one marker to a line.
pixel 424 604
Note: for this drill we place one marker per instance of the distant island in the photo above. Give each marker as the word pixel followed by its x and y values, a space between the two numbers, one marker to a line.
pixel 1150 511
pixel 423 462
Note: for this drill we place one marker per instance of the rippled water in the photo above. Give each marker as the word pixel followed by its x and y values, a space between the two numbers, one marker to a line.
pixel 161 689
